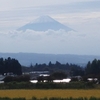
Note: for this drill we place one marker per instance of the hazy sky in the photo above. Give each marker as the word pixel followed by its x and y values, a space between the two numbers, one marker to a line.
pixel 81 15
pixel 10 4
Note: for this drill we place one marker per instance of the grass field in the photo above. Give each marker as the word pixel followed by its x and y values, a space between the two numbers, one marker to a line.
pixel 28 94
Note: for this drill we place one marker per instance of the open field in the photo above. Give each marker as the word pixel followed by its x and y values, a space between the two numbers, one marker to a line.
pixel 28 94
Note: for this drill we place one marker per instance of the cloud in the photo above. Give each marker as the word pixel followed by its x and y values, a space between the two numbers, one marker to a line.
pixel 56 42
pixel 31 34
pixel 15 39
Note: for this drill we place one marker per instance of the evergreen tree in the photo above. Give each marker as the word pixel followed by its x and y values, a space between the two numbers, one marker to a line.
pixel 10 66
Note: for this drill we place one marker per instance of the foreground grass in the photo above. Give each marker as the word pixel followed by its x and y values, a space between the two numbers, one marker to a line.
pixel 28 94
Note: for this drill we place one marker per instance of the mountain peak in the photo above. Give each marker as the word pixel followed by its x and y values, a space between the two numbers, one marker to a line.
pixel 44 23
pixel 43 19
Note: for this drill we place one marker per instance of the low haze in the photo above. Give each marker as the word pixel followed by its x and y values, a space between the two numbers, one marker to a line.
pixel 83 16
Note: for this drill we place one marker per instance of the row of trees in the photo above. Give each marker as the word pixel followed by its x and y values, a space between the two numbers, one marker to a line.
pixel 92 69
pixel 69 69
pixel 10 66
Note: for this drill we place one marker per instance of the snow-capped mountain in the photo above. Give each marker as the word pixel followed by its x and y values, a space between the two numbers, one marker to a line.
pixel 44 23
pixel 43 19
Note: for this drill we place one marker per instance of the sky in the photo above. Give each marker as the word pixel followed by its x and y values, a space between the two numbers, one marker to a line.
pixel 81 15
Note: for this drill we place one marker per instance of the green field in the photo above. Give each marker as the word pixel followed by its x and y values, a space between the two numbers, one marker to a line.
pixel 28 94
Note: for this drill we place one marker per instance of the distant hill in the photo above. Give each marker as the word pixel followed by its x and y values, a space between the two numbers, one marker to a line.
pixel 32 58
pixel 44 23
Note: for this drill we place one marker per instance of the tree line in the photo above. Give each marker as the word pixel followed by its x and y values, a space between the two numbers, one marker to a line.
pixel 52 98
pixel 11 66
pixel 92 69
pixel 70 69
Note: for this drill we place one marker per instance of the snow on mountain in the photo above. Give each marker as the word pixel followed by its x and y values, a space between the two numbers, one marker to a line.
pixel 43 19
pixel 44 23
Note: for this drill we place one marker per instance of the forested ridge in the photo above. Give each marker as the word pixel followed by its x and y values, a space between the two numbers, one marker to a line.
pixel 11 65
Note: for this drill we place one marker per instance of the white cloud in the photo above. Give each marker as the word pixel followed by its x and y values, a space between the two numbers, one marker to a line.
pixel 57 42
